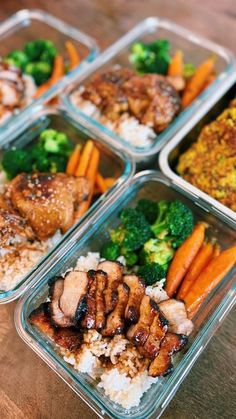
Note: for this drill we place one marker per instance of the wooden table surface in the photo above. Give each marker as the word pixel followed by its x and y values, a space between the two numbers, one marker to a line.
pixel 28 388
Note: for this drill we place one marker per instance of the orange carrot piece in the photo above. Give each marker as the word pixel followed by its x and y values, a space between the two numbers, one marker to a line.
pixel 197 81
pixel 84 159
pixel 73 54
pixel 183 258
pixel 199 263
pixel 176 65
pixel 110 181
pixel 100 182
pixel 209 279
pixel 216 251
pixel 91 176
pixel 73 160
pixel 57 74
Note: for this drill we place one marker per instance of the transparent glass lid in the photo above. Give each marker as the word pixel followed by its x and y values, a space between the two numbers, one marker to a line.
pixel 150 185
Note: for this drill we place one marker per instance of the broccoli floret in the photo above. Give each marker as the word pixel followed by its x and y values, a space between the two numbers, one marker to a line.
pixel 16 161
pixel 57 163
pixel 189 70
pixel 40 50
pixel 130 257
pixel 148 208
pixel 136 230
pixel 157 251
pixel 55 142
pixel 174 222
pixel 110 251
pixel 40 71
pixel 17 58
pixel 151 273
pixel 152 57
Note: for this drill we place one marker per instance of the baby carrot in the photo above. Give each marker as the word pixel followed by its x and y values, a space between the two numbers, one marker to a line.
pixel 84 159
pixel 209 279
pixel 199 263
pixel 198 80
pixel 57 73
pixel 176 65
pixel 73 160
pixel 183 258
pixel 109 181
pixel 100 182
pixel 73 54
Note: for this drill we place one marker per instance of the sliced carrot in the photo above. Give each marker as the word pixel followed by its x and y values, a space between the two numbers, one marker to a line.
pixel 91 173
pixel 197 81
pixel 110 181
pixel 183 258
pixel 100 182
pixel 84 159
pixel 73 160
pixel 176 65
pixel 201 260
pixel 209 279
pixel 73 54
pixel 57 74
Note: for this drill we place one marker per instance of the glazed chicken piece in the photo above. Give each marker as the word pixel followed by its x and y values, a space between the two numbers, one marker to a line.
pixel 89 320
pixel 114 271
pixel 47 201
pixel 115 321
pixel 101 281
pixel 161 365
pixel 136 293
pixel 70 338
pixel 157 333
pixel 139 332
pixel 56 287
pixel 175 312
pixel 12 225
pixel 73 301
pixel 105 91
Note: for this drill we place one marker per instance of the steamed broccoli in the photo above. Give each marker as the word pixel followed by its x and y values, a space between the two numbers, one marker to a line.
pixel 174 222
pixel 15 161
pixel 133 232
pixel 151 57
pixel 17 58
pixel 41 50
pixel 148 208
pixel 157 251
pixel 55 142
pixel 110 251
pixel 40 71
pixel 151 273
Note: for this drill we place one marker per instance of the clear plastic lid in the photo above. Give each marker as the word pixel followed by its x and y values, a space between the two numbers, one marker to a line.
pixel 113 163
pixel 170 154
pixel 195 49
pixel 29 25
pixel 151 185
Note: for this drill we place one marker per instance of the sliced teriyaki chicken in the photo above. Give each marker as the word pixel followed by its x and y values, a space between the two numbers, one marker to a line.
pixel 70 338
pixel 56 287
pixel 136 293
pixel 47 201
pixel 139 332
pixel 73 299
pixel 115 321
pixel 101 281
pixel 89 320
pixel 176 314
pixel 114 271
pixel 162 365
pixel 157 333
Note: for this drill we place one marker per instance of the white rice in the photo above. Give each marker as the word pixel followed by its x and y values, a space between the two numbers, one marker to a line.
pixel 127 127
pixel 127 379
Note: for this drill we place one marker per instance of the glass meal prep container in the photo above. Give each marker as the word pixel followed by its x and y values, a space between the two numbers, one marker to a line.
pixel 195 49
pixel 151 185
pixel 112 163
pixel 29 25
pixel 170 154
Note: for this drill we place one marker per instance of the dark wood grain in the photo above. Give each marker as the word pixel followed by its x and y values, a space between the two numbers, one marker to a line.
pixel 28 388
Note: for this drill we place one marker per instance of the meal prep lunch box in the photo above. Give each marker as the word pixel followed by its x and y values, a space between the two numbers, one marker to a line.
pixel 29 25
pixel 169 156
pixel 114 163
pixel 90 237
pixel 195 48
